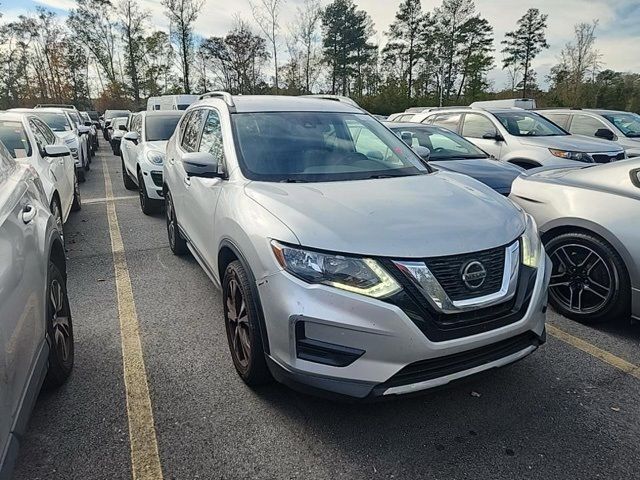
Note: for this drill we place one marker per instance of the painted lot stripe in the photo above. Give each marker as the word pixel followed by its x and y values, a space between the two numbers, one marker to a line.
pixel 105 200
pixel 145 460
pixel 607 357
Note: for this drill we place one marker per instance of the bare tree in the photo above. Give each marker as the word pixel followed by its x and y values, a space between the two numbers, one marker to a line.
pixel 266 14
pixel 580 59
pixel 305 31
pixel 182 14
pixel 132 25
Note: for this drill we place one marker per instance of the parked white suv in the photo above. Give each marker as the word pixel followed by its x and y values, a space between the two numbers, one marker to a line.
pixel 613 125
pixel 142 151
pixel 524 138
pixel 348 265
pixel 28 139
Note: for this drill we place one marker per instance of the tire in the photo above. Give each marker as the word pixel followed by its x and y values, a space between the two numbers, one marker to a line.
pixel 56 211
pixel 177 243
pixel 59 330
pixel 77 198
pixel 589 281
pixel 81 175
pixel 242 326
pixel 128 183
pixel 148 205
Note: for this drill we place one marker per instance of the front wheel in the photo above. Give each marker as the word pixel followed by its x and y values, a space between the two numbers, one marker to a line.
pixel 77 199
pixel 148 205
pixel 242 325
pixel 589 281
pixel 126 179
pixel 177 243
pixel 56 211
pixel 59 330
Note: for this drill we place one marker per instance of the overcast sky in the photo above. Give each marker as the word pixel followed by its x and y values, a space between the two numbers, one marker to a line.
pixel 618 32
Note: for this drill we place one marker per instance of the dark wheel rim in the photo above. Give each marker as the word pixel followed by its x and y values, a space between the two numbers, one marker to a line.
pixel 238 323
pixel 60 321
pixel 171 222
pixel 141 191
pixel 581 280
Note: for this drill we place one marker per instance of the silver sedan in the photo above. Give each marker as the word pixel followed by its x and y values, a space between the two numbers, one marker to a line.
pixel 589 219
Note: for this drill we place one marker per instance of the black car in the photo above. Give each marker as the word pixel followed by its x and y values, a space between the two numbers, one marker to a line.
pixel 449 151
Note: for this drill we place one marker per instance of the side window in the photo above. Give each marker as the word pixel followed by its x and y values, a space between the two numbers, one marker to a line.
pixel 136 125
pixel 212 137
pixel 447 120
pixel 585 125
pixel 476 126
pixel 49 136
pixel 560 119
pixel 40 139
pixel 192 130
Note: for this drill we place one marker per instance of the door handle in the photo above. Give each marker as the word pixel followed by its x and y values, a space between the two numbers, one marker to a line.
pixel 187 181
pixel 28 213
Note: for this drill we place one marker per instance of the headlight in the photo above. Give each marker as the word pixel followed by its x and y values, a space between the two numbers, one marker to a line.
pixel 530 243
pixel 358 275
pixel 155 157
pixel 578 156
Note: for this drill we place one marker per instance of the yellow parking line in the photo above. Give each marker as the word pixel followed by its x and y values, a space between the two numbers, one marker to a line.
pixel 607 357
pixel 145 460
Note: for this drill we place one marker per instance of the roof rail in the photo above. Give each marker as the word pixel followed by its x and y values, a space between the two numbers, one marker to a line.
pixel 55 105
pixel 226 96
pixel 335 98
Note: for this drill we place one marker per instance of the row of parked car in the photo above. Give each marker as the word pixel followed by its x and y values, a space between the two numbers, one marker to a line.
pixel 355 259
pixel 336 239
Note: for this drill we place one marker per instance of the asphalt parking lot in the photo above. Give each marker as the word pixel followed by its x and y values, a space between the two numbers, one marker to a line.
pixel 571 410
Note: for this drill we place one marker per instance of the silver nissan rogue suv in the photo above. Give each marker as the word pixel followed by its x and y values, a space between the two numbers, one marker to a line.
pixel 347 265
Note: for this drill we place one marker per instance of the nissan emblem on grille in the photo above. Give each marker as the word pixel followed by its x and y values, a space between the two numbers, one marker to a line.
pixel 474 275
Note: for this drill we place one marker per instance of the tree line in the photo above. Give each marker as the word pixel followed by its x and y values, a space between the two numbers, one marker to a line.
pixel 107 53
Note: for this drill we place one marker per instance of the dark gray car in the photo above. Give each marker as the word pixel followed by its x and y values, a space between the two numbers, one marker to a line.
pixel 36 334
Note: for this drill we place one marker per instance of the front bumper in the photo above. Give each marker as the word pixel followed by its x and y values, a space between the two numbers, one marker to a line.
pixel 371 348
pixel 153 182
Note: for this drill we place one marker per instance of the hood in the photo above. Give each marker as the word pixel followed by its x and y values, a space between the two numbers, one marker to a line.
pixel 407 217
pixel 576 143
pixel 160 145
pixel 497 175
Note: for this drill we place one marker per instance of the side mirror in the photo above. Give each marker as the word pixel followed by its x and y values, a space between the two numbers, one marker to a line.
pixel 423 152
pixel 605 133
pixel 132 137
pixel 493 136
pixel 56 151
pixel 88 124
pixel 83 130
pixel 406 137
pixel 123 128
pixel 200 164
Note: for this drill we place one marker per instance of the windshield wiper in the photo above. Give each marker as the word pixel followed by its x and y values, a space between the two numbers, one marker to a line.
pixel 291 180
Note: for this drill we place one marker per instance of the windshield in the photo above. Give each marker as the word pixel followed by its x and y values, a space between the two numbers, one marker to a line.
pixel 14 137
pixel 525 124
pixel 58 122
pixel 627 123
pixel 320 147
pixel 115 113
pixel 160 128
pixel 443 144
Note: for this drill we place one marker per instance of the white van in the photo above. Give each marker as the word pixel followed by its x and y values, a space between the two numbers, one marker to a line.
pixel 171 102
pixel 524 103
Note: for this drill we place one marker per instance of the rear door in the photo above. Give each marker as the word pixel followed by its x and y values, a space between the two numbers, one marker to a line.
pixel 21 291
pixel 475 126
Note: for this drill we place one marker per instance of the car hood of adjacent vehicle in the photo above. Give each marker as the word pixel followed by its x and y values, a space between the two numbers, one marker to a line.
pixel 407 217
pixel 495 174
pixel 574 143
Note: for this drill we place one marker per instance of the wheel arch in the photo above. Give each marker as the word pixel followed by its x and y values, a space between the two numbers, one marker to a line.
pixel 559 227
pixel 57 255
pixel 229 252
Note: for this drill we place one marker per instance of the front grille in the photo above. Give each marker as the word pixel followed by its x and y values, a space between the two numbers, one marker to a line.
pixel 448 272
pixel 607 157
pixel 439 367
pixel 157 178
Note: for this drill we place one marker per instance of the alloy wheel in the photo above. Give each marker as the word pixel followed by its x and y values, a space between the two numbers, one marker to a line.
pixel 60 321
pixel 171 223
pixel 581 280
pixel 141 191
pixel 57 215
pixel 237 318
